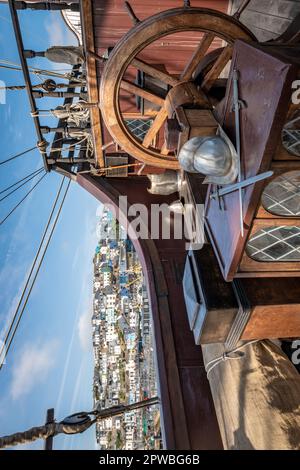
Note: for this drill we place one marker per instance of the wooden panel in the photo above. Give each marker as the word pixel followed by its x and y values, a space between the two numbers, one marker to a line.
pixel 275 307
pixel 193 123
pixel 270 99
pixel 221 306
pixel 265 274
pixel 201 122
pixel 92 82
pixel 200 117
pixel 270 292
pixel 274 321
pixel 195 380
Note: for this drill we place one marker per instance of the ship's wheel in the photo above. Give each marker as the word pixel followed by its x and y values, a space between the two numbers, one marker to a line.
pixel 129 55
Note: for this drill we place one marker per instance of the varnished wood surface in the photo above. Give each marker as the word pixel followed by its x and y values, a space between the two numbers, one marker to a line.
pixel 197 56
pixel 273 321
pixel 269 99
pixel 92 81
pixel 217 68
pixel 275 307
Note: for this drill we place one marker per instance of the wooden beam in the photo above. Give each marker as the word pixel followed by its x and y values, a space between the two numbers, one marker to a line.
pixel 92 83
pixel 198 54
pixel 136 90
pixel 217 68
pixel 164 150
pixel 155 128
pixel 138 115
pixel 154 72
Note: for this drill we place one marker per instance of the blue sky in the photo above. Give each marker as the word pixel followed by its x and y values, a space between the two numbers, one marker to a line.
pixel 50 363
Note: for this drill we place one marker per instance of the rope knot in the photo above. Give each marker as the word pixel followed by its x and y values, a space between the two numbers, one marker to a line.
pixel 225 356
pixel 235 353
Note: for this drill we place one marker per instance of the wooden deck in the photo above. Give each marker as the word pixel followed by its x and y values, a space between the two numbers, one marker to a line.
pixel 267 19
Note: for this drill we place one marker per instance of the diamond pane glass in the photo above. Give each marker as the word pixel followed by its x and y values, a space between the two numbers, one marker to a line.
pixel 139 127
pixel 275 244
pixel 291 134
pixel 282 196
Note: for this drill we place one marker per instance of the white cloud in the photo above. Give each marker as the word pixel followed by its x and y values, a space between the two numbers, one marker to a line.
pixel 85 330
pixel 14 275
pixel 58 32
pixel 84 323
pixel 82 261
pixel 55 31
pixel 32 366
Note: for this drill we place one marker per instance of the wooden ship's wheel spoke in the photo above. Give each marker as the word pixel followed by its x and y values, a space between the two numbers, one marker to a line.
pixel 136 90
pixel 155 128
pixel 154 72
pixel 174 89
pixel 217 68
pixel 198 55
pixel 164 150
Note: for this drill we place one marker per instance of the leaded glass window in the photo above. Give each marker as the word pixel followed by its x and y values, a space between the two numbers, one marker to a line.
pixel 291 134
pixel 139 127
pixel 282 196
pixel 275 244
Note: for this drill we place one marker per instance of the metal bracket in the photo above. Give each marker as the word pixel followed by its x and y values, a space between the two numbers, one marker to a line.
pixel 221 192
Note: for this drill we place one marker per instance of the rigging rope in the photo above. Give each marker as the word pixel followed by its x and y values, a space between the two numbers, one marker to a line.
pixel 20 181
pixel 33 264
pixel 74 424
pixel 28 178
pixel 51 73
pixel 23 199
pixel 68 148
pixel 5 348
pixel 17 156
pixel 42 85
